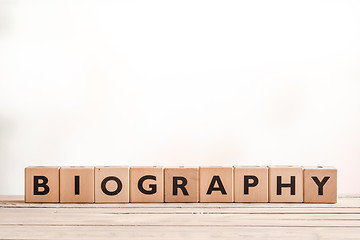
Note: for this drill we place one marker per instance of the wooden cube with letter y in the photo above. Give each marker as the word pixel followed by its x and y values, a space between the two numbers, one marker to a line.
pixel 146 184
pixel 181 184
pixel 77 184
pixel 285 184
pixel 216 184
pixel 251 183
pixel 42 184
pixel 320 184
pixel 111 184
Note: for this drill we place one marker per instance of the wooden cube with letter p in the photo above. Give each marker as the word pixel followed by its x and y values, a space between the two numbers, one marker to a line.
pixel 146 184
pixel 77 184
pixel 181 184
pixel 320 184
pixel 285 184
pixel 111 184
pixel 216 184
pixel 251 183
pixel 42 184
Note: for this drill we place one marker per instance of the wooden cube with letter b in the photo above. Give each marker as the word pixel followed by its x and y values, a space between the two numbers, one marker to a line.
pixel 216 184
pixel 77 184
pixel 42 184
pixel 285 184
pixel 320 184
pixel 146 184
pixel 111 184
pixel 181 184
pixel 251 183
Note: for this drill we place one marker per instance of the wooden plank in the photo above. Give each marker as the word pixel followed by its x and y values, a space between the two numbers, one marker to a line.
pixel 191 210
pixel 19 220
pixel 170 232
pixel 88 219
pixel 342 203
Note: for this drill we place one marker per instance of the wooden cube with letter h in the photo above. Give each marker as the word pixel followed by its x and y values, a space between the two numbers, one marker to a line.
pixel 146 184
pixel 285 184
pixel 251 183
pixel 42 184
pixel 216 184
pixel 111 184
pixel 320 184
pixel 181 184
pixel 77 184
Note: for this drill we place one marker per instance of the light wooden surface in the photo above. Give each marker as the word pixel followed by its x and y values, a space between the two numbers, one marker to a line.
pixel 19 220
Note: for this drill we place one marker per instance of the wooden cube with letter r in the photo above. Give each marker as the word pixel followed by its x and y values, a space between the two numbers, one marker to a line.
pixel 42 184
pixel 320 184
pixel 181 184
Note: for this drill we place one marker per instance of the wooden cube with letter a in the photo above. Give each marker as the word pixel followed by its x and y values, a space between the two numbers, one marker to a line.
pixel 320 184
pixel 111 184
pixel 146 184
pixel 285 184
pixel 216 184
pixel 181 184
pixel 77 184
pixel 251 183
pixel 42 184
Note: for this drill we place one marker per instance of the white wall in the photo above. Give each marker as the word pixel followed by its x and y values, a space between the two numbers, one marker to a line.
pixel 193 82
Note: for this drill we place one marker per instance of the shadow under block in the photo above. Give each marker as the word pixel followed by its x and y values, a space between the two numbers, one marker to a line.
pixel 320 184
pixel 77 184
pixel 146 184
pixel 181 184
pixel 42 184
pixel 216 184
pixel 111 184
pixel 285 184
pixel 251 183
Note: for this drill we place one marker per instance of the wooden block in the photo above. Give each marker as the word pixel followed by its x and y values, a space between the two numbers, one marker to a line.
pixel 77 184
pixel 285 184
pixel 146 184
pixel 320 184
pixel 181 184
pixel 42 184
pixel 111 184
pixel 251 183
pixel 216 184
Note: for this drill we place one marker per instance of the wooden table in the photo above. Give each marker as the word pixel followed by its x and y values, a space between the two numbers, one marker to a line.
pixel 19 220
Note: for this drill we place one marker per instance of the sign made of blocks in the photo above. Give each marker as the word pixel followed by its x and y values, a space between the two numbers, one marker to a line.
pixel 116 184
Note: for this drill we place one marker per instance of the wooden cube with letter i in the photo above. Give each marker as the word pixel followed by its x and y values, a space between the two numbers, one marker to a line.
pixel 77 184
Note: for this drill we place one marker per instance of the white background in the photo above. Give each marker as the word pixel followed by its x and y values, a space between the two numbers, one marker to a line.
pixel 179 83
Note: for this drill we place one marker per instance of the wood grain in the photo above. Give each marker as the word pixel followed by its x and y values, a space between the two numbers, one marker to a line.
pixel 20 220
